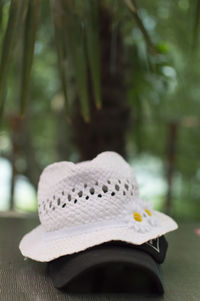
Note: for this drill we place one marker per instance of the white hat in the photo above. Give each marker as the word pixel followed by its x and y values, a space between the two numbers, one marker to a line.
pixel 86 204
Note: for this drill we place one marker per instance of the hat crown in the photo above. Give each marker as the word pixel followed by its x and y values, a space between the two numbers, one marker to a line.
pixel 88 192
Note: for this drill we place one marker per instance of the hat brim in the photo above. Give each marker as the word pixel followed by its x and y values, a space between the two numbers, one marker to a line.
pixel 66 269
pixel 45 246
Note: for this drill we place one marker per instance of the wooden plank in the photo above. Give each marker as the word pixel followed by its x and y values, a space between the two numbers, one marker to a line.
pixel 27 280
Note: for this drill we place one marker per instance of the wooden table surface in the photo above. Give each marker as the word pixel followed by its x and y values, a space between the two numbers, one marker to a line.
pixel 27 280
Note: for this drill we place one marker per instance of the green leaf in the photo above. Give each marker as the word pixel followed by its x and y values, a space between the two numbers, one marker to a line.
pixel 30 29
pixel 75 41
pixel 15 16
pixel 1 13
pixel 79 59
pixel 70 46
pixel 162 47
pixel 59 28
pixel 93 47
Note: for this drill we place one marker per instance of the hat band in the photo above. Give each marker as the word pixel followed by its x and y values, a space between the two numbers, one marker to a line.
pixel 86 228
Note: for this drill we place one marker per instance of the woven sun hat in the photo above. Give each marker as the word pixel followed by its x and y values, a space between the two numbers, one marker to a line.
pixel 89 203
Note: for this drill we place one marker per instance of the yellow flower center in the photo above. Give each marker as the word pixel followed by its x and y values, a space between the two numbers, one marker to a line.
pixel 137 216
pixel 148 212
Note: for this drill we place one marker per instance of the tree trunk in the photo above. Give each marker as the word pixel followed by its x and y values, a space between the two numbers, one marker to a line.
pixel 108 126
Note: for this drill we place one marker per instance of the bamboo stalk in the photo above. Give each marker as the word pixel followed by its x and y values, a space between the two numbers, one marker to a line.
pixel 132 6
pixel 171 156
pixel 93 47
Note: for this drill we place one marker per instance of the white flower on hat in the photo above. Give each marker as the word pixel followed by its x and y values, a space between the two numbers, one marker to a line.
pixel 149 212
pixel 140 215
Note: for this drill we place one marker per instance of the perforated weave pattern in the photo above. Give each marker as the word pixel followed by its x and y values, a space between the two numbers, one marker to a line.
pixel 74 194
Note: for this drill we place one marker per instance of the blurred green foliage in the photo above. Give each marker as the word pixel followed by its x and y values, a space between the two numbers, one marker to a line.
pixel 163 88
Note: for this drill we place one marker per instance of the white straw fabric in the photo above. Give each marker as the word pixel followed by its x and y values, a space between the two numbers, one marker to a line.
pixel 85 204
